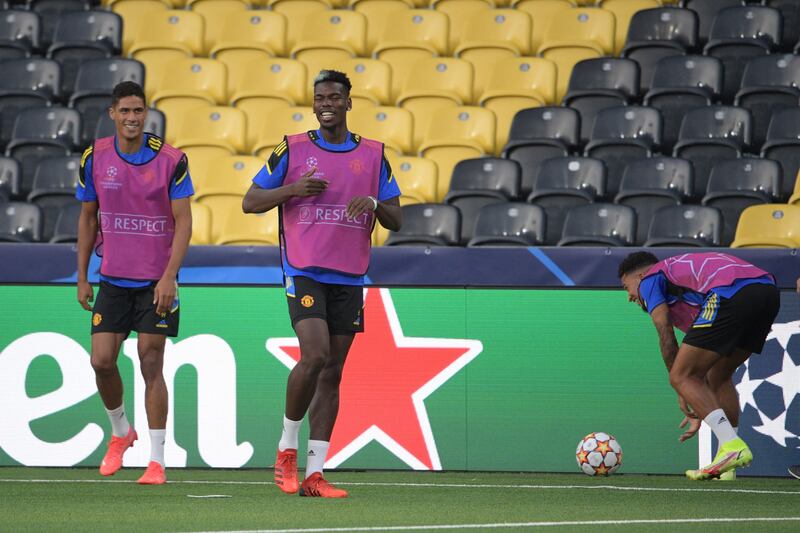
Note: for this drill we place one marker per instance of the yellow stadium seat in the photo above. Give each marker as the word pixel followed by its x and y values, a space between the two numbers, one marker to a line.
pixel 250 33
pixel 193 77
pixel 259 110
pixel 201 224
pixel 219 130
pixel 283 121
pixel 768 226
pixel 296 12
pixel 518 83
pixel 227 175
pixel 455 134
pixel 134 13
pixel 376 13
pixel 254 229
pixel 414 34
pixel 220 205
pixel 581 33
pixel 172 29
pixel 371 79
pixel 542 12
pixel 214 13
pixel 393 126
pixel 459 12
pixel 333 29
pixel 795 199
pixel 416 177
pixel 276 78
pixel 155 63
pixel 623 12
pixel 432 84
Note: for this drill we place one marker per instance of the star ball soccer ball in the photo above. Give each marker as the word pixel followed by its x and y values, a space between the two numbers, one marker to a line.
pixel 599 454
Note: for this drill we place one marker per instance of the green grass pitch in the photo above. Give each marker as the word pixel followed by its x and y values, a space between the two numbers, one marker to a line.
pixel 61 499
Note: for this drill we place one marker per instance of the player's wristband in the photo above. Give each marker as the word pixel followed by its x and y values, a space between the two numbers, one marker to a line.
pixel 374 202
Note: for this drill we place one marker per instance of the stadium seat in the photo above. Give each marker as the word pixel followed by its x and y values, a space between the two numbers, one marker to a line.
pixel 259 229
pixel 650 183
pixel 296 12
pixel 229 175
pixel 509 224
pixel 680 84
pixel 542 12
pixel 538 134
pixel 332 29
pixel 20 222
pixel 709 135
pixel 135 14
pixel 427 225
pixel 479 182
pixel 435 83
pixel 41 132
pixel 81 36
pixel 599 224
pixel 417 178
pixel 518 83
pixel 658 33
pixel 783 145
pixel 563 183
pixel 201 224
pixel 175 30
pixel 259 85
pixel 215 131
pixel 790 13
pixel 600 83
pixel 377 12
pixel 739 33
pixel 622 134
pixel 50 12
pixel 215 13
pixel 623 12
pixel 739 183
pixel 460 12
pixel 156 63
pixel 581 33
pixel 706 11
pixel 155 123
pixel 220 205
pixel 455 134
pixel 770 85
pixel 390 125
pixel 493 35
pixel 10 177
pixel 685 226
pixel 371 80
pixel 248 35
pixel 20 33
pixel 768 226
pixel 413 35
pixel 66 226
pixel 94 84
pixel 26 83
pixel 283 121
pixel 54 183
pixel 794 199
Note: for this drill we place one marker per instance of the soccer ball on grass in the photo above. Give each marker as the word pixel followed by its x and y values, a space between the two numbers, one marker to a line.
pixel 599 454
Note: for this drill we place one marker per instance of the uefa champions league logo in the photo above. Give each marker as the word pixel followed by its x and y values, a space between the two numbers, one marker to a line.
pixel 111 172
pixel 769 387
pixel 311 162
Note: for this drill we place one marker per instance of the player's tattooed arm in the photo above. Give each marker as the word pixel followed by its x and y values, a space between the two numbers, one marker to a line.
pixel 666 335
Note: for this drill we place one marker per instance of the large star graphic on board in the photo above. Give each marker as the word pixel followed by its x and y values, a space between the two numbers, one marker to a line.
pixel 386 379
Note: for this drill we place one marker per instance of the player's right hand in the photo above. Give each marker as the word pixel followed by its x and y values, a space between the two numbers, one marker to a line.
pixel 685 408
pixel 693 426
pixel 308 185
pixel 85 294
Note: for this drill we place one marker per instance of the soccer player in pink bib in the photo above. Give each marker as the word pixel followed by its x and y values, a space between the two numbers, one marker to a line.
pixel 330 186
pixel 726 307
pixel 135 190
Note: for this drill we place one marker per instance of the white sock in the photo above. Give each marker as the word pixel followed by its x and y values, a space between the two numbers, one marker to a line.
pixel 157 438
pixel 119 422
pixel 736 430
pixel 720 425
pixel 291 428
pixel 317 452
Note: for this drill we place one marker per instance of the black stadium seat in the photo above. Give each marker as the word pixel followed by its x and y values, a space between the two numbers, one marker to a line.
pixel 51 11
pixel 790 12
pixel 685 225
pixel 10 176
pixel 19 33
pixel 599 225
pixel 66 227
pixel 707 11
pixel 20 222
pixel 427 225
pixel 25 83
pixel 54 183
pixel 509 224
pixel 783 145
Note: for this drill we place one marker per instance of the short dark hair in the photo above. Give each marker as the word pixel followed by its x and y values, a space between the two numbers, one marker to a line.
pixel 635 261
pixel 336 77
pixel 127 88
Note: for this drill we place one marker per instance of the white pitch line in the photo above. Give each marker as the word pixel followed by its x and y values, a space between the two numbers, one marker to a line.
pixel 432 485
pixel 525 524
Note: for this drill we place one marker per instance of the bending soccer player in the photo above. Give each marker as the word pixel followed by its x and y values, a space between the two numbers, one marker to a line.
pixel 726 307
pixel 330 186
pixel 140 187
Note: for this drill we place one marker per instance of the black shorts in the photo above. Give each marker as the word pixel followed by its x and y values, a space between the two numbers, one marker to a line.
pixel 341 306
pixel 122 310
pixel 742 322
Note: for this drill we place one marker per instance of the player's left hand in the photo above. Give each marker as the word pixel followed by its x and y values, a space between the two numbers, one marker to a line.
pixel 359 205
pixel 164 294
pixel 686 409
pixel 693 424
